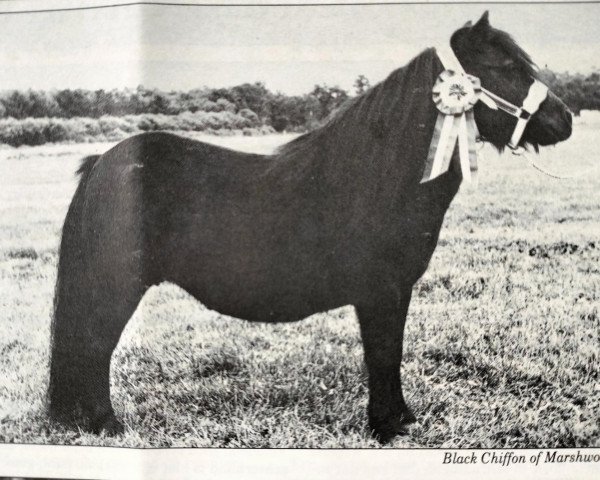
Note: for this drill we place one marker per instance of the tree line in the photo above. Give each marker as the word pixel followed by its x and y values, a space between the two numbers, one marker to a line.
pixel 252 101
pixel 250 105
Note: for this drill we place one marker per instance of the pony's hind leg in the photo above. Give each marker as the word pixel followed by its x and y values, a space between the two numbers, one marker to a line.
pixel 100 284
pixel 382 331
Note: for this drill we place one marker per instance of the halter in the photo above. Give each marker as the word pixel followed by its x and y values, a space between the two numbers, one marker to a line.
pixel 438 160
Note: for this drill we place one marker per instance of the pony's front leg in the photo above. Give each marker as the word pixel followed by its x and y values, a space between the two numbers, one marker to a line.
pixel 382 330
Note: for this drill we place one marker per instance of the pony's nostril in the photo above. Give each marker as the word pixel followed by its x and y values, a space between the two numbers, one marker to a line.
pixel 568 116
pixel 569 121
pixel 563 127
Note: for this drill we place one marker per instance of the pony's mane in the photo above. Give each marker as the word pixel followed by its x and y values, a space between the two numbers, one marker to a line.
pixel 371 110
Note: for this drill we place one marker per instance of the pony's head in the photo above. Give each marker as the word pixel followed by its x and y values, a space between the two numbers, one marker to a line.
pixel 507 71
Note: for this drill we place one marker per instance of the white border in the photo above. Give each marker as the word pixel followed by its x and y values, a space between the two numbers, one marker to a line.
pixel 238 464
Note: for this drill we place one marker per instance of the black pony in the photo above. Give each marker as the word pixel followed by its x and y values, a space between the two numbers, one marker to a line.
pixel 337 216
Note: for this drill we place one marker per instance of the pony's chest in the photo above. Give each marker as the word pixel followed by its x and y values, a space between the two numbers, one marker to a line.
pixel 410 245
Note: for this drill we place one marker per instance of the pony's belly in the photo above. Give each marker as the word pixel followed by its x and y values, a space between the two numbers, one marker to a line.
pixel 275 291
pixel 261 306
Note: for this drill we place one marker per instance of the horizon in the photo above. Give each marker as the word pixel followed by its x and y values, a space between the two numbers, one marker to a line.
pixel 288 49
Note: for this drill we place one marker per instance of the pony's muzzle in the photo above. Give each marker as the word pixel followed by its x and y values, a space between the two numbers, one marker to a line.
pixel 554 122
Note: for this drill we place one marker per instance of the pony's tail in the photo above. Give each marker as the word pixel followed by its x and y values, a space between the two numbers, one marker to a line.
pixel 69 308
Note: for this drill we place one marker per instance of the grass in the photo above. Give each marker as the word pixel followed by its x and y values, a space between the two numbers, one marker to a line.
pixel 502 344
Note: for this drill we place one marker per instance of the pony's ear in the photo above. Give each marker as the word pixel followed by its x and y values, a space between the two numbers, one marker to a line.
pixel 468 24
pixel 480 31
pixel 484 22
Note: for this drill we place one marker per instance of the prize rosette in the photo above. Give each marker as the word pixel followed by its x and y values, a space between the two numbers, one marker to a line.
pixel 455 93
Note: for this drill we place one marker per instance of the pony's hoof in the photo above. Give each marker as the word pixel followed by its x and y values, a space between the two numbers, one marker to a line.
pixel 408 418
pixel 386 431
pixel 108 425
pixel 408 428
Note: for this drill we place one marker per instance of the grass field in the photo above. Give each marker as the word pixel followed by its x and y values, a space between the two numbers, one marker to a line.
pixel 502 347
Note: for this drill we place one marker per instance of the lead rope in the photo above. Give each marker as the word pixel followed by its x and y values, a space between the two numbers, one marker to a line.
pixel 556 176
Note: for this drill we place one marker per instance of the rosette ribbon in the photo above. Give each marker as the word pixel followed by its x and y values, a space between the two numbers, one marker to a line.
pixel 454 95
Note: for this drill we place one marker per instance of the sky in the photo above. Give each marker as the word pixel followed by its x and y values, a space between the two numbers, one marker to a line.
pixel 288 48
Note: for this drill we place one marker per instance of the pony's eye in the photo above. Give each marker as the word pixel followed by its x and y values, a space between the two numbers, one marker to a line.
pixel 509 70
pixel 507 65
